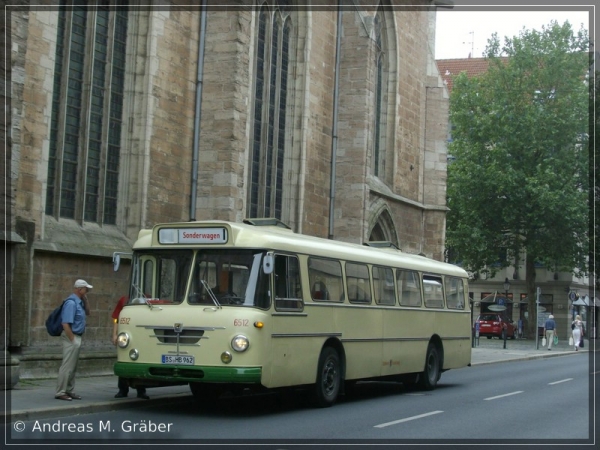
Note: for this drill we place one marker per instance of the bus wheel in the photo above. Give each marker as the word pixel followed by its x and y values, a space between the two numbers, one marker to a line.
pixel 204 393
pixel 431 374
pixel 328 378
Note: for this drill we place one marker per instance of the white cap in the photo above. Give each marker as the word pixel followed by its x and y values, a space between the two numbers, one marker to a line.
pixel 82 284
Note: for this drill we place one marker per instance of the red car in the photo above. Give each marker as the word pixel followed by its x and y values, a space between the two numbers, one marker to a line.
pixel 492 324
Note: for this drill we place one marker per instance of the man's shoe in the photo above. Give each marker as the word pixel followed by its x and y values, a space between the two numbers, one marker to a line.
pixel 121 394
pixel 74 396
pixel 63 397
pixel 144 396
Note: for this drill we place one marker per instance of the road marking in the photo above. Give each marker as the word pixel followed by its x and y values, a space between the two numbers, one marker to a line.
pixel 420 416
pixel 561 381
pixel 503 395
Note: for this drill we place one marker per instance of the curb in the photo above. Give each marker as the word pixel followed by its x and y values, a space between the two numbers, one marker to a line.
pixel 61 411
pixel 525 358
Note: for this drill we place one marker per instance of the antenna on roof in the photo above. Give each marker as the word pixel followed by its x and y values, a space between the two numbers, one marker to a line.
pixel 472 42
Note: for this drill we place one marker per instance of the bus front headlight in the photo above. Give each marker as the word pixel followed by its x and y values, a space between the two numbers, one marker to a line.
pixel 240 343
pixel 123 340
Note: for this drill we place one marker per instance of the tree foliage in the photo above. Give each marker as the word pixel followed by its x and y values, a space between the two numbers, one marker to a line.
pixel 519 180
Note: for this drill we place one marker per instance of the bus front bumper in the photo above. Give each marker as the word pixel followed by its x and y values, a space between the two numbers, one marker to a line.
pixel 175 373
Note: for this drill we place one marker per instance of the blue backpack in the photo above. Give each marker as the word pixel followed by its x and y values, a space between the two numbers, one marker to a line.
pixel 54 321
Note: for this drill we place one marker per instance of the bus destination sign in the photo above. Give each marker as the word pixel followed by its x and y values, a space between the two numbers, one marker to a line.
pixel 192 236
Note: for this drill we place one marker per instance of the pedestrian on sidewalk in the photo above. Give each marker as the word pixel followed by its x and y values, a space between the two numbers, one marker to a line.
pixel 75 309
pixel 122 384
pixel 549 329
pixel 577 327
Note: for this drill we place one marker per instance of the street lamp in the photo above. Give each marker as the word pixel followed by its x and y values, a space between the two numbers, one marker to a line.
pixel 506 288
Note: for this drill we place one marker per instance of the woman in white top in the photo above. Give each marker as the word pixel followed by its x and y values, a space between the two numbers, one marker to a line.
pixel 577 331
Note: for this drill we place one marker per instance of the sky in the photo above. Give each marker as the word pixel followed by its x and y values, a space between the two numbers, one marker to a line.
pixel 460 33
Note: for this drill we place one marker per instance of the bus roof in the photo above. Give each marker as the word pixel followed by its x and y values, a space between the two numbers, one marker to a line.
pixel 242 235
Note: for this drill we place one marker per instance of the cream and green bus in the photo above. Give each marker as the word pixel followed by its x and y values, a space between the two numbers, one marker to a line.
pixel 228 306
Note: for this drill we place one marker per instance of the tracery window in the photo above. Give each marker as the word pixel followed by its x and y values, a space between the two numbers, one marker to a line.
pixel 268 153
pixel 380 107
pixel 87 106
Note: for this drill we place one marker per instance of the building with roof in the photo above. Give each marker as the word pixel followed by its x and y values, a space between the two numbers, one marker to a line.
pixel 333 122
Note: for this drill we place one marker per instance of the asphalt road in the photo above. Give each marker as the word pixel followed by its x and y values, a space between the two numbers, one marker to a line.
pixel 524 401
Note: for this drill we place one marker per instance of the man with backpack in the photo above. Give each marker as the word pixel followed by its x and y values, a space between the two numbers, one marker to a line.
pixel 74 310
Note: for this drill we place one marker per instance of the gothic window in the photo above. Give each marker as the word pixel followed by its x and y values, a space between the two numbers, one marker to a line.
pixel 380 87
pixel 87 106
pixel 383 227
pixel 273 45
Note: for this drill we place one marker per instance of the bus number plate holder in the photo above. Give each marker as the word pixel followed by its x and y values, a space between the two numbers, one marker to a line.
pixel 178 359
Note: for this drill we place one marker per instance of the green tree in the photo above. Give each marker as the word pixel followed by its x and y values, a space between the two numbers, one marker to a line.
pixel 519 177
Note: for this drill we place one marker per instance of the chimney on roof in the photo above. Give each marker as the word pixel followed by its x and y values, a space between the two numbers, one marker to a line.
pixel 469 55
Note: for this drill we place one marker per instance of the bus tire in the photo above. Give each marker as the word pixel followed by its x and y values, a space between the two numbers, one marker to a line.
pixel 431 373
pixel 329 378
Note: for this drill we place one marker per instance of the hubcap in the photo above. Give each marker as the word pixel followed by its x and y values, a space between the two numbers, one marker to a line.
pixel 329 377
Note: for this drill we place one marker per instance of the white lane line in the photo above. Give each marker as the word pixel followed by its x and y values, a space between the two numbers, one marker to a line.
pixel 561 381
pixel 383 425
pixel 503 395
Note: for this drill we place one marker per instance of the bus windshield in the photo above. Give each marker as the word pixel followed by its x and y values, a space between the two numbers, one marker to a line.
pixel 216 277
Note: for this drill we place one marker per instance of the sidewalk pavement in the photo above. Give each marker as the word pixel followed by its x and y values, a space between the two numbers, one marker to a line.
pixel 34 399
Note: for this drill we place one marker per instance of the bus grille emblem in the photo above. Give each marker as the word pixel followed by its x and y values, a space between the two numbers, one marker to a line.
pixel 177 327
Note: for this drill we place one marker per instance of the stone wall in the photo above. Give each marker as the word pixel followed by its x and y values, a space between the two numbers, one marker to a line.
pixel 155 175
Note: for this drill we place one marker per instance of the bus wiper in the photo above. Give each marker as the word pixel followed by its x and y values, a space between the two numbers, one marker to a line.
pixel 150 304
pixel 145 299
pixel 211 293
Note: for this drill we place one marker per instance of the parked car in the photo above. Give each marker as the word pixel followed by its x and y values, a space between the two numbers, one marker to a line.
pixel 492 324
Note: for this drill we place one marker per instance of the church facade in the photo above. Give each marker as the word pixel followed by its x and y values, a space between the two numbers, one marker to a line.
pixel 332 121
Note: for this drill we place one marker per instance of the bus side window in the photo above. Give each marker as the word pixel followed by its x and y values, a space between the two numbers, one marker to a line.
pixel 288 289
pixel 455 293
pixel 434 291
pixel 359 286
pixel 409 287
pixel 383 285
pixel 325 278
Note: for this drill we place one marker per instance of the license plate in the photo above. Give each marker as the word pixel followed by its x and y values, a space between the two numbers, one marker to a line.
pixel 178 359
pixel 485 325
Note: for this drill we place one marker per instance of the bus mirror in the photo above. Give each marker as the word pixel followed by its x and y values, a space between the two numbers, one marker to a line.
pixel 268 263
pixel 116 261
